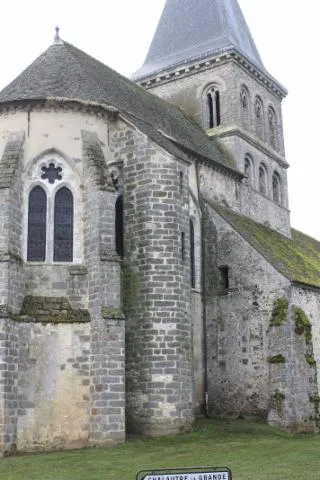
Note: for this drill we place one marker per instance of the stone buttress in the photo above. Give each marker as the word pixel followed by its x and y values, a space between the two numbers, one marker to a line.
pixel 156 287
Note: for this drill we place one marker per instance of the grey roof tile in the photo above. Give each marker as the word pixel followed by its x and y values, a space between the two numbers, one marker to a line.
pixel 195 29
pixel 67 72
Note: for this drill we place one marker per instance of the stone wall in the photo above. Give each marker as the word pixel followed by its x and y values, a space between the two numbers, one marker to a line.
pixel 238 321
pixel 187 92
pixel 107 399
pixel 53 386
pixel 62 384
pixel 9 351
pixel 156 287
pixel 261 362
pixel 238 132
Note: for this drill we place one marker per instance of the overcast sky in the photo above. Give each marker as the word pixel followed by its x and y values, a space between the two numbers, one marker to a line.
pixel 118 33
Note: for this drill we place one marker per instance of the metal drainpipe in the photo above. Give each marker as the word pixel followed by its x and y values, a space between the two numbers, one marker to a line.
pixel 204 312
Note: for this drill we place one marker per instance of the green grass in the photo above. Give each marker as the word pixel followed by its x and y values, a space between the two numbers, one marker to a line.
pixel 252 451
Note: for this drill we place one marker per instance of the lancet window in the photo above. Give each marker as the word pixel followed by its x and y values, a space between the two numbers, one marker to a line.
pixel 245 107
pixel 248 169
pixel 213 114
pixel 259 117
pixel 272 125
pixel 262 179
pixel 119 227
pixel 276 187
pixel 192 256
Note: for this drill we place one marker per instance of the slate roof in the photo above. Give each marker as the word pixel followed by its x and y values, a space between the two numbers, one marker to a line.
pixel 192 30
pixel 64 71
pixel 298 259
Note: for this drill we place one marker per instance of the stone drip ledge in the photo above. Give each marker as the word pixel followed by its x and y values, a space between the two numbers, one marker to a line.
pixel 107 255
pixel 50 310
pixel 78 270
pixel 112 313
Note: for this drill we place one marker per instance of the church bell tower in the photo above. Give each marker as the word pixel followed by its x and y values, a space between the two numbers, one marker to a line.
pixel 204 60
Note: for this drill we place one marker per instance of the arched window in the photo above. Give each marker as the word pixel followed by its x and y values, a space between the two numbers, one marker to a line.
pixel 192 257
pixel 259 117
pixel 248 169
pixel 63 226
pixel 37 219
pixel 213 107
pixel 276 187
pixel 245 107
pixel 272 124
pixel 119 228
pixel 262 179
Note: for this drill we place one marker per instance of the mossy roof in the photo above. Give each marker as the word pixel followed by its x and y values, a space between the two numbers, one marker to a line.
pixel 298 258
pixel 63 71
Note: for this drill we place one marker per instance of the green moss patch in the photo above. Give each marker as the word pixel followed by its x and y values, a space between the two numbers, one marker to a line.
pixel 277 359
pixel 302 324
pixel 51 310
pixel 277 400
pixel 279 312
pixel 310 359
pixel 314 398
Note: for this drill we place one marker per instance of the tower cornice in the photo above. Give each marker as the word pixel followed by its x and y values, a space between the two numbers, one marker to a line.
pixel 198 65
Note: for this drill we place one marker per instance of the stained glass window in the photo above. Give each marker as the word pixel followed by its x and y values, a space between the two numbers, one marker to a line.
pixel 37 218
pixel 63 226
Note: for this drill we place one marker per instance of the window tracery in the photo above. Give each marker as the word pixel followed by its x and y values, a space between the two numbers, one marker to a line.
pixel 51 223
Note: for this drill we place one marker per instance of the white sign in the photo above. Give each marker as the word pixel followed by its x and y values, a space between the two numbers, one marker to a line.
pixel 189 476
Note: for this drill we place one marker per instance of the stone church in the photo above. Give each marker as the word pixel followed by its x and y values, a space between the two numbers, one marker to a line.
pixel 148 269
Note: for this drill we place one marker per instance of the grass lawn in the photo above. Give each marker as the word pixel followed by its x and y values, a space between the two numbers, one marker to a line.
pixel 252 451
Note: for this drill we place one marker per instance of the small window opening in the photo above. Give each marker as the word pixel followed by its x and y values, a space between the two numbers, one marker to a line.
pixel 181 182
pixel 119 227
pixel 213 98
pixel 192 257
pixel 272 128
pixel 247 170
pixel 211 116
pixel 217 95
pixel 276 189
pixel 183 252
pixel 244 98
pixel 224 277
pixel 262 181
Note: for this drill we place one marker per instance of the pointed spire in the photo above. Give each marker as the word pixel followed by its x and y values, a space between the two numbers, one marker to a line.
pixel 195 29
pixel 57 40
